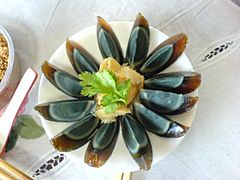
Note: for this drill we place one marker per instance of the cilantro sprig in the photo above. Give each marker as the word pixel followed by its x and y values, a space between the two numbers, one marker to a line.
pixel 105 82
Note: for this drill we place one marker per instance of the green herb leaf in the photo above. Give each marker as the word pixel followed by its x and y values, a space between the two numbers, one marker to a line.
pixel 110 108
pixel 27 128
pixel 94 83
pixel 12 140
pixel 105 82
pixel 124 88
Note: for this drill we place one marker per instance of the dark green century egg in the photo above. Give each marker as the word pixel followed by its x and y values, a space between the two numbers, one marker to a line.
pixel 162 94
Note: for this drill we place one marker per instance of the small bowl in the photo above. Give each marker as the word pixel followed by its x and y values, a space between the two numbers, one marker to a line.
pixel 12 75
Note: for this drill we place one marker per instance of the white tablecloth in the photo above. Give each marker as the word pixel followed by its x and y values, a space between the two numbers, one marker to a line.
pixel 211 148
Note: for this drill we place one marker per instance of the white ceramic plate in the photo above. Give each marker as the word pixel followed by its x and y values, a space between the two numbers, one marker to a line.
pixel 120 160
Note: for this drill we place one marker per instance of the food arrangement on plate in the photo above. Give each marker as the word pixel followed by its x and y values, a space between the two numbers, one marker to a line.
pixel 122 93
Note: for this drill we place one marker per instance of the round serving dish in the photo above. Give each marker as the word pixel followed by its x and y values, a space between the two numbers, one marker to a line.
pixel 120 160
pixel 12 75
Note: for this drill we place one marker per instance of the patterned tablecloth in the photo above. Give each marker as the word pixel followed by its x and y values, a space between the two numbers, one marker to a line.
pixel 211 148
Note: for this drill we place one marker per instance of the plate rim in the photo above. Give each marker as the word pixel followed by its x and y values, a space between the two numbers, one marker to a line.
pixel 69 154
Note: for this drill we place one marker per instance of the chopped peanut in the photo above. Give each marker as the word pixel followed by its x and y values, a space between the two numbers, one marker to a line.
pixel 3 56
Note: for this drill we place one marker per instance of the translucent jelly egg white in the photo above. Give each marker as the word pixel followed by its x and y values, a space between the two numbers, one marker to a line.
pixel 120 160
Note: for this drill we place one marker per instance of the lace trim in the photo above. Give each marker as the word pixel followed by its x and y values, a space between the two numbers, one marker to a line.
pixel 52 163
pixel 216 52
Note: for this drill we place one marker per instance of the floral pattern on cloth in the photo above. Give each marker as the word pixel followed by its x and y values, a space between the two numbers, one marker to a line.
pixel 48 165
pixel 216 51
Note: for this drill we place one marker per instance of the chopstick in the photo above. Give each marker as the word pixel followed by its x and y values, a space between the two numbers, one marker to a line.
pixel 8 171
pixel 5 176
pixel 124 176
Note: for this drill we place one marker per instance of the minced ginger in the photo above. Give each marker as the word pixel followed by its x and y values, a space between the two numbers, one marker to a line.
pixel 123 73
